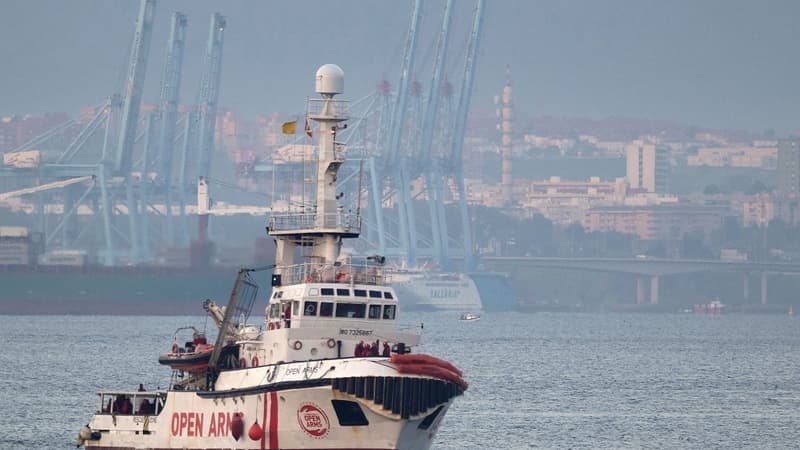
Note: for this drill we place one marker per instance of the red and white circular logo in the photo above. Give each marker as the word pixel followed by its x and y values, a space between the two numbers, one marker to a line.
pixel 313 420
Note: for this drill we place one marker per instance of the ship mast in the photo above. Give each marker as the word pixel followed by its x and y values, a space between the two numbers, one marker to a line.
pixel 323 226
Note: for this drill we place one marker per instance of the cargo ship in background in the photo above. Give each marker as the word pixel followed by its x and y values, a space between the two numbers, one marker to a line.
pixel 177 281
pixel 73 282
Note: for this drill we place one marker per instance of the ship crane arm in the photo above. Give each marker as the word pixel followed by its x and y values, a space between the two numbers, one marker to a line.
pixel 225 324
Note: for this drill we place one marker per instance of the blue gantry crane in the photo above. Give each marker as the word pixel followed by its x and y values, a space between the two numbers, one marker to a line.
pixel 200 124
pixel 430 169
pixel 462 111
pixel 168 111
pixel 101 167
pixel 209 95
pixel 424 141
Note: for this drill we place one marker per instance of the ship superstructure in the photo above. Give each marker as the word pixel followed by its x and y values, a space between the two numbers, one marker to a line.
pixel 331 367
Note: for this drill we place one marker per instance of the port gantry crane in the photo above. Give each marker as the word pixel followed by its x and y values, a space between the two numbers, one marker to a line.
pixel 102 156
pixel 432 149
pixel 200 124
pixel 430 164
pixel 123 160
pixel 395 158
pixel 462 111
pixel 168 112
pixel 78 162
pixel 209 95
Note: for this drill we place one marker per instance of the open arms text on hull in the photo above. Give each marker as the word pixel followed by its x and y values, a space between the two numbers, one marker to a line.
pixel 330 368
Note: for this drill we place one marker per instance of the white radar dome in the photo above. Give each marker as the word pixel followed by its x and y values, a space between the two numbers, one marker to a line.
pixel 330 80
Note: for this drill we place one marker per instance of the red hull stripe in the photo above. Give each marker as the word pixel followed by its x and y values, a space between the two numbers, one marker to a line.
pixel 273 420
pixel 264 423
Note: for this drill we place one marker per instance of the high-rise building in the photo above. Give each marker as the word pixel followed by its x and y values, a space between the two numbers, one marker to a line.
pixel 647 167
pixel 789 168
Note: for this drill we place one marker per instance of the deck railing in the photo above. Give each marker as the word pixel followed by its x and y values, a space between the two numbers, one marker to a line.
pixel 324 108
pixel 334 222
pixel 345 273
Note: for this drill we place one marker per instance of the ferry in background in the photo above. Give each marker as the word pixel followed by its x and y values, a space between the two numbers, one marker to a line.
pixel 431 290
pixel 428 288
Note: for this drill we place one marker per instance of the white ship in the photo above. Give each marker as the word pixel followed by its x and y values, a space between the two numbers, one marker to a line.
pixel 434 290
pixel 331 368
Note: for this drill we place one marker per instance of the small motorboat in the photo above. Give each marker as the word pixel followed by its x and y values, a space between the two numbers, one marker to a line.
pixel 469 317
pixel 193 356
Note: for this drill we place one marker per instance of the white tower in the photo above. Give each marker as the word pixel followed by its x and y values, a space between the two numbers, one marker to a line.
pixel 507 149
pixel 323 227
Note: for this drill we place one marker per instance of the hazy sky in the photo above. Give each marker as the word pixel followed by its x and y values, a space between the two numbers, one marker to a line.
pixel 715 63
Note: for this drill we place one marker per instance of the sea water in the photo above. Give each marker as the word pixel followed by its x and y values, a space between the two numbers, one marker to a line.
pixel 536 380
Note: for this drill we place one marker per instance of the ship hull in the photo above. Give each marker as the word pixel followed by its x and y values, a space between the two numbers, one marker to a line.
pixel 298 409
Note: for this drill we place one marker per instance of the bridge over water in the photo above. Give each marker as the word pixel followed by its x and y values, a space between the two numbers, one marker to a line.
pixel 644 268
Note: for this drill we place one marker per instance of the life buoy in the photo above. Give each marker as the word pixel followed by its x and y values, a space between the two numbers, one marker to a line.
pixel 331 343
pixel 309 279
pixel 175 347
pixel 242 363
pixel 254 361
pixel 297 345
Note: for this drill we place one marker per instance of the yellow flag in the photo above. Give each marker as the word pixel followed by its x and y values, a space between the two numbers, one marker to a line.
pixel 289 127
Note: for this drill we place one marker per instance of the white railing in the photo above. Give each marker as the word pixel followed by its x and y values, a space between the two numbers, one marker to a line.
pixel 334 222
pixel 324 108
pixel 345 273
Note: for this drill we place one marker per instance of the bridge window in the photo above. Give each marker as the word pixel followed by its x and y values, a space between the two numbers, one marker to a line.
pixel 274 310
pixel 374 311
pixel 327 291
pixel 343 292
pixel 351 310
pixel 359 292
pixel 375 294
pixel 310 309
pixel 388 295
pixel 388 312
pixel 326 309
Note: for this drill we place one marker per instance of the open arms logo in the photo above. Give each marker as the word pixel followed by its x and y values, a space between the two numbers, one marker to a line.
pixel 313 420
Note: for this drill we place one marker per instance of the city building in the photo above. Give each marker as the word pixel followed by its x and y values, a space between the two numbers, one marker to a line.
pixel 647 167
pixel 566 201
pixel 661 222
pixel 735 156
pixel 788 174
pixel 757 210
pixel 788 210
